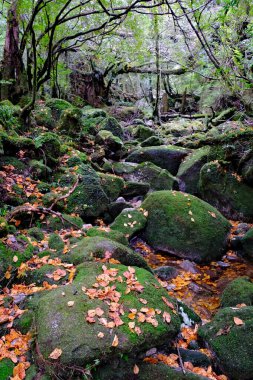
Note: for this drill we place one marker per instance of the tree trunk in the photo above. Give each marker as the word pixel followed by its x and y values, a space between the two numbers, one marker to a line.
pixel 12 66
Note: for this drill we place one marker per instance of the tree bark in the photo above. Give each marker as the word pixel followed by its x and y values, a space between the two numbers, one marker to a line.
pixel 12 65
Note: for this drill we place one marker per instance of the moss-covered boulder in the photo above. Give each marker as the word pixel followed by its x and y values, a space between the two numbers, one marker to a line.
pixel 90 112
pixel 142 132
pixel 119 168
pixel 157 178
pixel 239 291
pixel 88 199
pixel 189 170
pixel 123 370
pixel 8 113
pixel 112 185
pixel 90 248
pixel 39 170
pixel 113 145
pixel 112 125
pixel 108 234
pixel 166 157
pixel 152 141
pixel 185 226
pixel 57 106
pixel 247 243
pixel 49 146
pixel 70 122
pixel 43 116
pixel 231 342
pixel 130 221
pixel 225 191
pixel 4 227
pixel 135 189
pixel 61 317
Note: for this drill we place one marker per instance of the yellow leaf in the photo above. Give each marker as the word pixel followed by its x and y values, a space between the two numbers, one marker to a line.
pixel 71 303
pixel 238 321
pixel 55 354
pixel 15 259
pixel 115 341
pixel 136 369
pixel 101 335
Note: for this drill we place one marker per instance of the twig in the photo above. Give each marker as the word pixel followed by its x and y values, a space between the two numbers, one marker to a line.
pixel 72 189
pixel 38 210
pixel 45 210
pixel 180 359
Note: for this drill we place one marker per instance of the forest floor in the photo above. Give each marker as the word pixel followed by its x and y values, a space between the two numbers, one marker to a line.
pixel 200 286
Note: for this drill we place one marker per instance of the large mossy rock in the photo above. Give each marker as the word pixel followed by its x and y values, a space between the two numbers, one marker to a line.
pixel 231 343
pixel 113 145
pixel 112 185
pixel 129 222
pixel 112 125
pixel 90 248
pixel 61 326
pixel 57 106
pixel 48 145
pixel 239 291
pixel 247 243
pixel 166 157
pixel 43 116
pixel 185 226
pixel 70 122
pixel 88 199
pixel 157 178
pixel 189 170
pixel 225 191
pixel 124 371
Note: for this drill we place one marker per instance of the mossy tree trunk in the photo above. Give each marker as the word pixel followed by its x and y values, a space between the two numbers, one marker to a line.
pixel 12 68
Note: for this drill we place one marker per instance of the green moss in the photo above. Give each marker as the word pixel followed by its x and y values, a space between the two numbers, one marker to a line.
pixel 57 106
pixel 112 185
pixel 189 170
pixel 119 168
pixel 9 160
pixel 184 225
pixel 50 145
pixel 43 116
pixel 90 112
pixel 7 116
pixel 55 320
pixel 108 234
pixel 142 133
pixel 112 125
pixel 70 122
pixel 247 243
pixel 233 348
pixel 166 157
pixel 129 222
pixel 25 322
pixel 88 199
pixel 39 170
pixel 6 369
pixel 40 275
pixel 36 233
pixel 13 259
pixel 237 292
pixel 225 191
pixel 55 242
pixel 56 224
pixel 90 248
pixel 91 124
